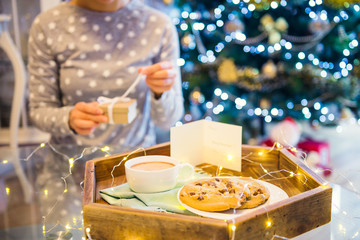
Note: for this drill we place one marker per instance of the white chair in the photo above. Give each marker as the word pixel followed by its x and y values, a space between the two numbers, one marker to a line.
pixel 8 46
pixel 16 135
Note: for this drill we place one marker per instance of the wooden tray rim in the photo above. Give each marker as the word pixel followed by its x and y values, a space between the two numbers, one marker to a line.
pixel 90 170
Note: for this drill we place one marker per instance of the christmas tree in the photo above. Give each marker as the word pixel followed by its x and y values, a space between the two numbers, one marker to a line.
pixel 254 62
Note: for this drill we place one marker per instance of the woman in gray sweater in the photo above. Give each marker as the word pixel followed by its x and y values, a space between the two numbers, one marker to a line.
pixel 84 49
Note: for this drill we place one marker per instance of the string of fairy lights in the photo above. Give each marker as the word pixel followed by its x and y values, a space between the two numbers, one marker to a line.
pixel 76 221
pixel 191 23
pixel 71 161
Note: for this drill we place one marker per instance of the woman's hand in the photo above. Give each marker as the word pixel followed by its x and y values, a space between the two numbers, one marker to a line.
pixel 85 117
pixel 160 77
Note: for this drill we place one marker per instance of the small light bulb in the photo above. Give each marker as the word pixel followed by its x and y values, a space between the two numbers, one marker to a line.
pixel 229 157
pixel 324 185
pixel 105 149
pixel 293 149
pixel 232 227
pixel 42 145
pixel 71 162
pixel 268 223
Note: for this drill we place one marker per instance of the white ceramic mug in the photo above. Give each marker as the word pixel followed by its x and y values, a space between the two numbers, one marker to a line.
pixel 156 173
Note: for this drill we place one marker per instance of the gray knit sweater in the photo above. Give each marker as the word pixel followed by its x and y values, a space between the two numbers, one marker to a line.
pixel 78 55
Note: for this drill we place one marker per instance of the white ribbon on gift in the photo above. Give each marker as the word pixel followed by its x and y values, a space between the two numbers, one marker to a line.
pixel 137 80
pixel 111 101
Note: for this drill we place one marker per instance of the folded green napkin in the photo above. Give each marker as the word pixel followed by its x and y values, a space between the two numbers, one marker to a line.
pixel 165 201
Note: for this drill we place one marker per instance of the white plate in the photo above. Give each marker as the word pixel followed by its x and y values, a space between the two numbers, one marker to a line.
pixel 276 195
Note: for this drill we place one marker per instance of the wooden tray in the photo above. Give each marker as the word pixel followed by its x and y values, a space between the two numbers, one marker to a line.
pixel 308 205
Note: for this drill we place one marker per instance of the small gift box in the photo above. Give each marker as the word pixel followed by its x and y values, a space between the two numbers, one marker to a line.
pixel 118 110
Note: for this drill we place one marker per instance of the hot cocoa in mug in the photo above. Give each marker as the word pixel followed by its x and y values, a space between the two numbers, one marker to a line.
pixel 156 173
pixel 152 166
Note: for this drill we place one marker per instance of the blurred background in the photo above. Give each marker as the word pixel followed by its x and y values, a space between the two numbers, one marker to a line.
pixel 257 62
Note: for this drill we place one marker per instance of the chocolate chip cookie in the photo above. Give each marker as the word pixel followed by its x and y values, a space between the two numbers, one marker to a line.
pixel 223 193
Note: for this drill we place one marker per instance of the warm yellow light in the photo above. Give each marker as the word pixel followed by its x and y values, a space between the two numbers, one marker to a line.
pixel 46 192
pixel 278 145
pixel 196 94
pixel 268 223
pixel 266 171
pixel 67 226
pixel 291 174
pixel 87 230
pixel 42 145
pixel 106 155
pixel 71 162
pixel 229 157
pixel 105 149
pixel 74 220
pixel 7 190
pixel 220 168
pixel 65 190
pixel 293 149
pixel 232 227
pixel 5 161
pixel 260 153
pixel 181 207
pixel 324 185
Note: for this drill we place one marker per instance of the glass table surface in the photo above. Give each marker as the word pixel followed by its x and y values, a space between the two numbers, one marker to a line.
pixel 53 177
